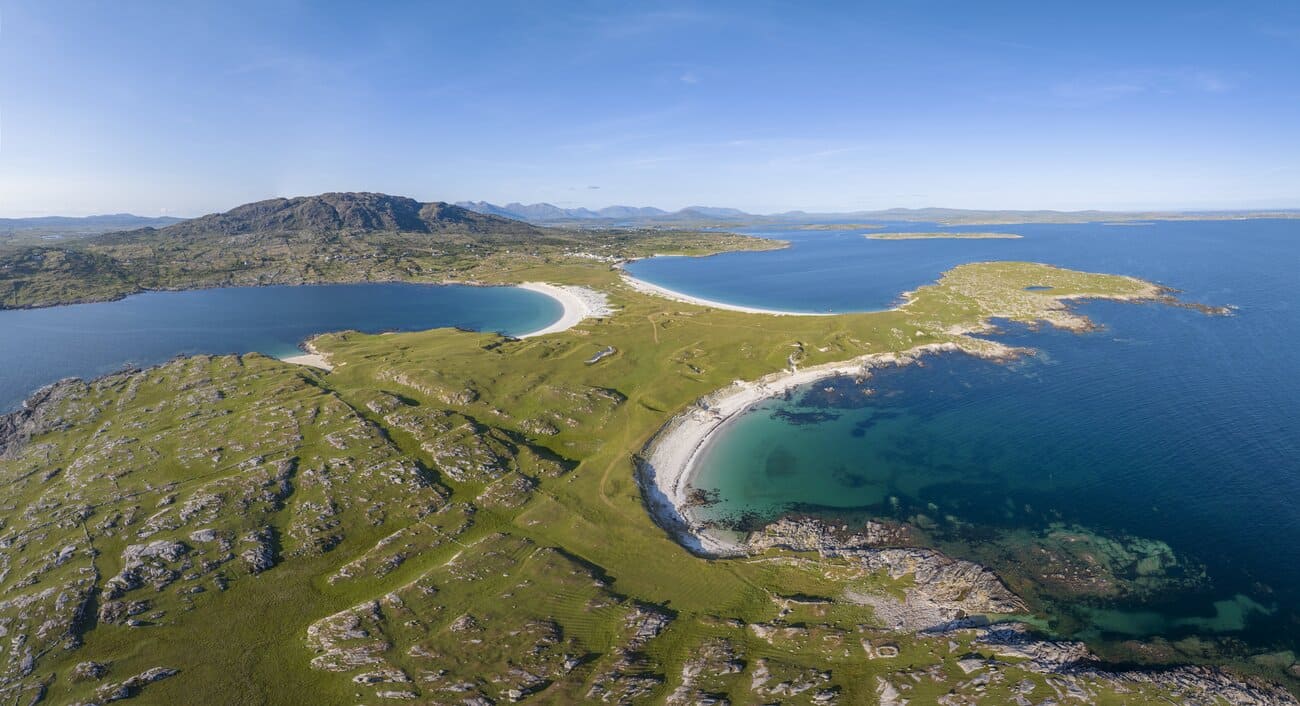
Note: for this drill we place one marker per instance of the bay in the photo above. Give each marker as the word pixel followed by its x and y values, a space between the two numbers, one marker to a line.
pixel 1168 442
pixel 41 346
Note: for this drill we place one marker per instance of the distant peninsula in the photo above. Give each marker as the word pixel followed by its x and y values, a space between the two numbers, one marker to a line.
pixel 942 236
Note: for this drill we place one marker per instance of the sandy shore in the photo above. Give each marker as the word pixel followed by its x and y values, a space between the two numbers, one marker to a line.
pixel 312 357
pixel 579 303
pixel 645 287
pixel 669 461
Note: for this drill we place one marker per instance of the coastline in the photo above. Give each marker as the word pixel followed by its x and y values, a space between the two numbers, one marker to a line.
pixel 312 357
pixel 669 460
pixel 645 287
pixel 579 303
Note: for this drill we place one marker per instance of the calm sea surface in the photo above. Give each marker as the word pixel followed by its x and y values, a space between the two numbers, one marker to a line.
pixel 40 346
pixel 1169 427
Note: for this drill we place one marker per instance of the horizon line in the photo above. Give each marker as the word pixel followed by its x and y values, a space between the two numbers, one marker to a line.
pixel 1126 211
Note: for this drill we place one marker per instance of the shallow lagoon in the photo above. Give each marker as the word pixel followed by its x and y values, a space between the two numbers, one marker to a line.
pixel 1169 427
pixel 40 346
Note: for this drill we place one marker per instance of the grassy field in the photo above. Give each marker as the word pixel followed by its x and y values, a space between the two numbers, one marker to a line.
pixel 449 515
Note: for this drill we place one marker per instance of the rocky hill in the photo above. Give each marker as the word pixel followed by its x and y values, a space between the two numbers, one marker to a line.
pixel 353 213
pixel 334 237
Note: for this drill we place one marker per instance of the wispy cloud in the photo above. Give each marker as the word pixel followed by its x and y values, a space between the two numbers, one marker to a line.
pixel 1115 85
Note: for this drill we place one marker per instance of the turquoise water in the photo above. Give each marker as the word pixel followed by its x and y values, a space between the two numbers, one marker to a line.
pixel 40 346
pixel 1170 440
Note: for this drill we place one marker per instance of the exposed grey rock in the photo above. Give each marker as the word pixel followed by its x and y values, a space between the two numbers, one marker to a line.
pixel 146 564
pixel 1075 664
pixel 133 685
pixel 943 589
pixel 259 552
pixel 37 416
pixel 89 670
pixel 950 594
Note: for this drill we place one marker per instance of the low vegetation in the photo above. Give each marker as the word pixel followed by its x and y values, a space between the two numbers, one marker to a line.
pixel 452 517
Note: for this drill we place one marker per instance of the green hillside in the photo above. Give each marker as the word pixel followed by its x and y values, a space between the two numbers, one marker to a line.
pixel 452 517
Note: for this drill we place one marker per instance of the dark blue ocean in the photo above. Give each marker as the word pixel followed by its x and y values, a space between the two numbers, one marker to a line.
pixel 40 346
pixel 1169 426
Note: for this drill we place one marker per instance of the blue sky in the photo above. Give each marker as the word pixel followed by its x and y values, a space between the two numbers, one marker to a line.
pixel 187 107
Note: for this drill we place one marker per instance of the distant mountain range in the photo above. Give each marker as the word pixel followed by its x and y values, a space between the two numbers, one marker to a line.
pixel 361 212
pixel 549 214
pixel 73 226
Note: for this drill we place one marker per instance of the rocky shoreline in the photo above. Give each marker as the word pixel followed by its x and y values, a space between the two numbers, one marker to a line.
pixel 36 416
pixel 949 597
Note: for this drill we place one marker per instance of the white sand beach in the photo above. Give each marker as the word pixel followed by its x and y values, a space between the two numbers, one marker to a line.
pixel 647 288
pixel 311 357
pixel 579 303
pixel 669 460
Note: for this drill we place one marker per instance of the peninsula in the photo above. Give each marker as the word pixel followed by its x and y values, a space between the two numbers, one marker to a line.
pixel 449 515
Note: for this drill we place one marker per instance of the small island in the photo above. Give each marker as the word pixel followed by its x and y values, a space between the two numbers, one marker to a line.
pixel 840 226
pixel 942 236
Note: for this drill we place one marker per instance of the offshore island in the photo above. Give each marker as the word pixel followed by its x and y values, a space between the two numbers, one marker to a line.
pixel 942 236
pixel 455 516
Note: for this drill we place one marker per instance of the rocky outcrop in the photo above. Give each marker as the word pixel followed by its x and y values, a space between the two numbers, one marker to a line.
pixel 950 596
pixel 1078 670
pixel 132 686
pixel 37 416
pixel 631 677
pixel 811 534
pixel 942 589
pixel 258 552
pixel 143 564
